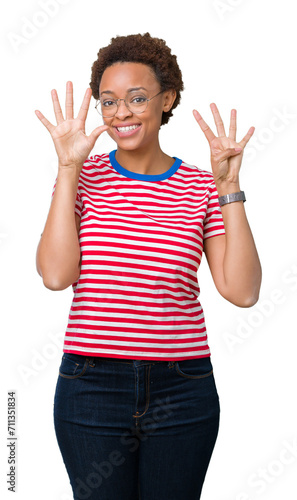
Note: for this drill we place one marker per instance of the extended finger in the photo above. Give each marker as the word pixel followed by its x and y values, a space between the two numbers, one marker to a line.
pixel 69 101
pixel 50 127
pixel 57 108
pixel 232 128
pixel 218 120
pixel 82 115
pixel 247 137
pixel 204 127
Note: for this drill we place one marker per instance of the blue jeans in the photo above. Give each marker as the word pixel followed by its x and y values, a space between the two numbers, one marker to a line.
pixel 136 429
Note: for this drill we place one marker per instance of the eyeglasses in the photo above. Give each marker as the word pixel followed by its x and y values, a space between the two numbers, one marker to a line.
pixel 135 102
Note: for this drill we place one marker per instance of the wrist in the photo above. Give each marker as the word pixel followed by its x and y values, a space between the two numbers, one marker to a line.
pixel 224 188
pixel 70 166
pixel 69 170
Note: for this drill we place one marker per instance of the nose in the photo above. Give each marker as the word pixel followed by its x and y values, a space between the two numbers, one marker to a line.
pixel 122 110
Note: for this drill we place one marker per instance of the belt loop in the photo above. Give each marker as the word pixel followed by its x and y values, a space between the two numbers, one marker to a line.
pixel 91 361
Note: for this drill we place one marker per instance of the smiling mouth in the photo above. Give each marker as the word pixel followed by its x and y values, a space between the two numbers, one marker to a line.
pixel 126 129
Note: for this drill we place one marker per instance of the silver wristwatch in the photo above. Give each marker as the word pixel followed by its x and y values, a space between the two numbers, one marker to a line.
pixel 228 198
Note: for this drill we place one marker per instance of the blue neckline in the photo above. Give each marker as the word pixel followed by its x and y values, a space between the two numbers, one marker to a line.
pixel 143 177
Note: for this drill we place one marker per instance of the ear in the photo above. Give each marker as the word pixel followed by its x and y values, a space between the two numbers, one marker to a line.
pixel 169 98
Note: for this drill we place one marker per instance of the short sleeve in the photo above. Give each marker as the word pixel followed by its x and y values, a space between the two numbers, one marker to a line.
pixel 213 224
pixel 78 202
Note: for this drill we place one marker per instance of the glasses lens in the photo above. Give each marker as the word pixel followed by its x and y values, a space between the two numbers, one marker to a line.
pixel 136 102
pixel 107 107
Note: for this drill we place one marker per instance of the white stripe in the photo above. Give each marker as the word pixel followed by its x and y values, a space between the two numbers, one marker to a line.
pixel 152 326
pixel 129 343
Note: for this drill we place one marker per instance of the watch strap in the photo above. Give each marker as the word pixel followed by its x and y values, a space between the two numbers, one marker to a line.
pixel 229 198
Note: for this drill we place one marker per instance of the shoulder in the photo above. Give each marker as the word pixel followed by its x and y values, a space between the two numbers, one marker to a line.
pixel 94 163
pixel 104 157
pixel 200 175
pixel 95 160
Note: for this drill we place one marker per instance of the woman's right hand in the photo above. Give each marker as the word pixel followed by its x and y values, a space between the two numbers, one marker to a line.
pixel 73 146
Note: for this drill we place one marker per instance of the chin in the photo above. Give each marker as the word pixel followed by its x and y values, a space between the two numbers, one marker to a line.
pixel 126 145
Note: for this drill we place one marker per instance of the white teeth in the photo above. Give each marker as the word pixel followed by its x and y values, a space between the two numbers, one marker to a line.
pixel 125 129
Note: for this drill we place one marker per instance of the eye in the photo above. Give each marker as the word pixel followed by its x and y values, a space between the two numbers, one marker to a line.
pixel 139 99
pixel 107 102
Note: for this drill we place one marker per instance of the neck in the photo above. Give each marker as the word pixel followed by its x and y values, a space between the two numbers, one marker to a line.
pixel 149 161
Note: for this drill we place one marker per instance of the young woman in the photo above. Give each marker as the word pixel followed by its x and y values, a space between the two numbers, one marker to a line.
pixel 136 409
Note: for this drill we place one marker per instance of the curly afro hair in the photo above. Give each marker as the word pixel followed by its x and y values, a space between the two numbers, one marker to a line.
pixel 143 49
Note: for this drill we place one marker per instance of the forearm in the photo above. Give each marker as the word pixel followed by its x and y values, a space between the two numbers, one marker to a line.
pixel 241 265
pixel 58 252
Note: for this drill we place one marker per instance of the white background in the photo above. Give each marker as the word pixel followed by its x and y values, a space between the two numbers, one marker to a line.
pixel 239 54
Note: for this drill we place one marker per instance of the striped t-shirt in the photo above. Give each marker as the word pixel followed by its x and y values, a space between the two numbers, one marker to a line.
pixel 141 239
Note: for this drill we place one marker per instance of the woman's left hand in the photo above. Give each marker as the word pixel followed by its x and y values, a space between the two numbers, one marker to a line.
pixel 225 160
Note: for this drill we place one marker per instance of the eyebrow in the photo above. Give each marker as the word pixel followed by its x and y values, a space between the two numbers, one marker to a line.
pixel 129 90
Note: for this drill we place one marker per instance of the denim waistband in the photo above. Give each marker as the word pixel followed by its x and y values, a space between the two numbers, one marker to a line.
pixel 142 362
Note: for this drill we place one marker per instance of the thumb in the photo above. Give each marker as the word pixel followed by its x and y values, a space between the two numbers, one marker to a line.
pixel 98 131
pixel 227 153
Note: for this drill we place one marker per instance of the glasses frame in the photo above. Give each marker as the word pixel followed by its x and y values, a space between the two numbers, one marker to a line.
pixel 117 103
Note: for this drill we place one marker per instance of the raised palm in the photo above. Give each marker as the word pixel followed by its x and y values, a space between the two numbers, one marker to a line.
pixel 225 153
pixel 72 144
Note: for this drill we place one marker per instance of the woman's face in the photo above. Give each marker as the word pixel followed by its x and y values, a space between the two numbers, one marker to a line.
pixel 117 80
